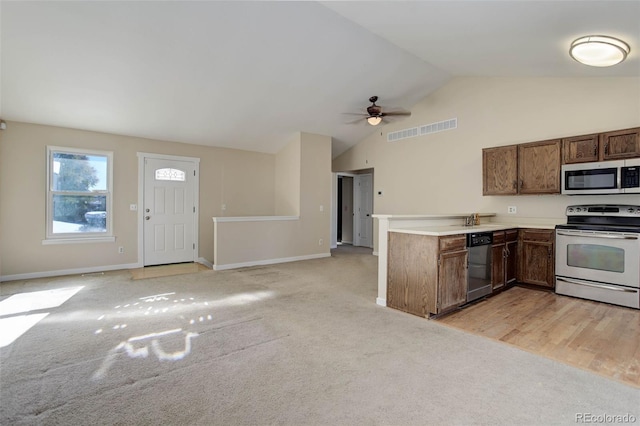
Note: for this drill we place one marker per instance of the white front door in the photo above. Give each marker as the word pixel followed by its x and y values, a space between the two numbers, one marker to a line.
pixel 363 203
pixel 169 211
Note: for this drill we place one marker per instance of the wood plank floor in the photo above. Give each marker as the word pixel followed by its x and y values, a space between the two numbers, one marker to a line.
pixel 598 337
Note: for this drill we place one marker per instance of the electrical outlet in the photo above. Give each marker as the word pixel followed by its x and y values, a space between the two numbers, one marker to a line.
pixel 224 207
pixel 512 210
pixel 120 249
pixel 320 242
pixel 133 207
pixel 321 208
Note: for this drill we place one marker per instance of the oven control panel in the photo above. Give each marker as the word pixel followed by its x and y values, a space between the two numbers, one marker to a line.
pixel 615 210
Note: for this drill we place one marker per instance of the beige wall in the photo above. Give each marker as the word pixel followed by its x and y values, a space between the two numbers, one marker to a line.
pixel 259 241
pixel 315 191
pixel 242 180
pixel 442 172
pixel 287 183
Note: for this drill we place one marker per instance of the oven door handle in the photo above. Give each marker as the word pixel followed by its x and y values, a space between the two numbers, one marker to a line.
pixel 610 236
pixel 606 287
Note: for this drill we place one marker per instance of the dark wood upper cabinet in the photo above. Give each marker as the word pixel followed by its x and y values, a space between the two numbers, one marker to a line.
pixel 535 167
pixel 620 144
pixel 500 170
pixel 616 145
pixel 580 149
pixel 539 166
pixel 529 168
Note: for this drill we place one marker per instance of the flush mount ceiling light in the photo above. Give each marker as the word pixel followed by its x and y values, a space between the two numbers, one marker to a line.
pixel 374 121
pixel 599 51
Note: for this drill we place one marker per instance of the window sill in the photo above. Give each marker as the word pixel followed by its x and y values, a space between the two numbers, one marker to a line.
pixel 78 240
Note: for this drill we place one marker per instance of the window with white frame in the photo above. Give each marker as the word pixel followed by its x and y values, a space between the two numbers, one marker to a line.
pixel 79 194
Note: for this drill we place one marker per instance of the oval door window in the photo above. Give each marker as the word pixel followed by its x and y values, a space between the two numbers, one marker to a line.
pixel 170 174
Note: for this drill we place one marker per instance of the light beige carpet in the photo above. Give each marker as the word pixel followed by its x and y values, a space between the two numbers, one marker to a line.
pixel 301 343
pixel 166 270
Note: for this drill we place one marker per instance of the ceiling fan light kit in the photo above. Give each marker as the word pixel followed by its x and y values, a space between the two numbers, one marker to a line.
pixel 374 121
pixel 599 50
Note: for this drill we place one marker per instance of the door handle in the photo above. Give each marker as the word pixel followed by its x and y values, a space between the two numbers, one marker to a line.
pixel 147 210
pixel 147 217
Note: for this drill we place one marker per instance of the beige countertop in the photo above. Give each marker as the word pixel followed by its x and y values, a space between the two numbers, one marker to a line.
pixel 460 229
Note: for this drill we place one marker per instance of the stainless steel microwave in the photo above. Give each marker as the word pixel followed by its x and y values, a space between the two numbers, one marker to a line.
pixel 602 177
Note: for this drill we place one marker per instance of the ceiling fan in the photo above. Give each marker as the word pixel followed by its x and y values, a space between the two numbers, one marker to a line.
pixel 375 115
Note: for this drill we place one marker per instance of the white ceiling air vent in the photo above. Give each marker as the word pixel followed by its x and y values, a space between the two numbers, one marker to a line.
pixel 426 129
pixel 402 134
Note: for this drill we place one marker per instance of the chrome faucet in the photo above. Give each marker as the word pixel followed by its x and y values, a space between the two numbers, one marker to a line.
pixel 469 220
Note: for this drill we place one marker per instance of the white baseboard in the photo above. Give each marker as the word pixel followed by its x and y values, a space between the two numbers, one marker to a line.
pixel 269 261
pixel 381 302
pixel 77 271
pixel 205 262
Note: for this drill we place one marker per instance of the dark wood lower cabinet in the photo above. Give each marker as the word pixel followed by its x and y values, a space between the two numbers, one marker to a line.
pixel 426 275
pixel 411 268
pixel 512 257
pixel 504 255
pixel 452 280
pixel 536 248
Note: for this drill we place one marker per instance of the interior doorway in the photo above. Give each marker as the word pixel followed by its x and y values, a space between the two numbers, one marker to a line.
pixel 353 207
pixel 345 210
pixel 363 210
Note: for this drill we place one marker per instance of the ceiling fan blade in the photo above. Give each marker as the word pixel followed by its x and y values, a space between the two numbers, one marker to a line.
pixel 348 117
pixel 384 114
pixel 357 120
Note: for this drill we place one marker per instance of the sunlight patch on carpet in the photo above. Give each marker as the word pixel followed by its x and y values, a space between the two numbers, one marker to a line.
pixel 14 326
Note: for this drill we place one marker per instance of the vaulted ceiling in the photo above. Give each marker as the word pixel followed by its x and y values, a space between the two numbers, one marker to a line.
pixel 248 75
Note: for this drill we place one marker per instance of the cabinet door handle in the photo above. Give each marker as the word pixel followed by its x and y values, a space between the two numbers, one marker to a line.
pixel 521 183
pixel 595 149
pixel 606 148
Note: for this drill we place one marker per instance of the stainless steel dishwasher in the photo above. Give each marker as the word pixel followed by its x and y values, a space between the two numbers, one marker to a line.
pixel 479 270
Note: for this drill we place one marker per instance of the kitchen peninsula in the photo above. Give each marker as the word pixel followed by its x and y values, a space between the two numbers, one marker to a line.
pixel 422 264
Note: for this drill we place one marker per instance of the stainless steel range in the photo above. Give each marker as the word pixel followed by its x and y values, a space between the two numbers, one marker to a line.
pixel 598 254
